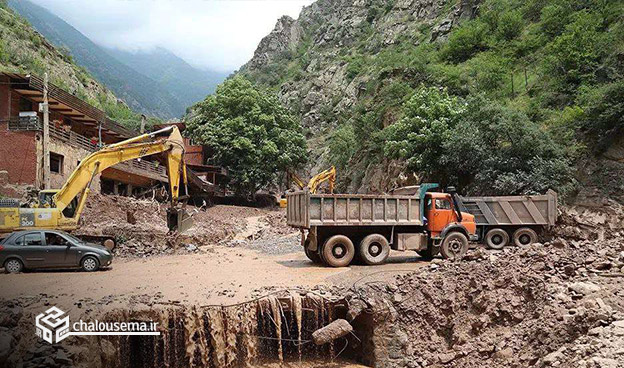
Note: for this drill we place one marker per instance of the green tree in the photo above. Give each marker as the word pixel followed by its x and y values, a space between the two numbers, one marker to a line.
pixel 428 119
pixel 249 132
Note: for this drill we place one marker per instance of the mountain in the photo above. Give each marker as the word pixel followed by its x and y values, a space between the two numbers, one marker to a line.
pixel 24 50
pixel 141 93
pixel 185 82
pixel 493 96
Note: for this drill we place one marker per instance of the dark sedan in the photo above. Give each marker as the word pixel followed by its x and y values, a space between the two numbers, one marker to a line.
pixel 34 249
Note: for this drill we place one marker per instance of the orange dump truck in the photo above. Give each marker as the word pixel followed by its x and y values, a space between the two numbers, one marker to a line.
pixel 341 227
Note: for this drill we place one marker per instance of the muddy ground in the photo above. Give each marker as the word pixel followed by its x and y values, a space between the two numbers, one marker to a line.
pixel 557 303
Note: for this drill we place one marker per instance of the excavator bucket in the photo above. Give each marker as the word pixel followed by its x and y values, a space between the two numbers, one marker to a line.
pixel 178 220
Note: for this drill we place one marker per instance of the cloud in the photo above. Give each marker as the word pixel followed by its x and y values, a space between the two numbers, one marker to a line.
pixel 212 34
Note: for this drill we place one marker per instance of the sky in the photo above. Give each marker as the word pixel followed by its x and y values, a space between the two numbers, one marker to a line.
pixel 210 34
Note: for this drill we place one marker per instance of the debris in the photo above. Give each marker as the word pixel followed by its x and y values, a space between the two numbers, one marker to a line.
pixel 332 331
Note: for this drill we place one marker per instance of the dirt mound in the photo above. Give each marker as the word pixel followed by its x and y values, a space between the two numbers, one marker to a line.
pixel 140 227
pixel 558 304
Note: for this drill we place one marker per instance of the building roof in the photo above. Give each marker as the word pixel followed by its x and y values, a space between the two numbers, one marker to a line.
pixel 63 102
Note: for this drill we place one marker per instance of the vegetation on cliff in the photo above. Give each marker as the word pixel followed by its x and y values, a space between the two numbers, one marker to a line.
pixel 504 98
pixel 23 50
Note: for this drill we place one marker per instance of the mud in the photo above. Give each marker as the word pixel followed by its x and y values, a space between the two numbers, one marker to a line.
pixel 560 303
pixel 140 229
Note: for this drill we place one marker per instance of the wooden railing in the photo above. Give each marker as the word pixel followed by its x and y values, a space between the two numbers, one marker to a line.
pixel 80 141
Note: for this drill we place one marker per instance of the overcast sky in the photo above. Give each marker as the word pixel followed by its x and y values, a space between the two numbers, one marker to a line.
pixel 220 35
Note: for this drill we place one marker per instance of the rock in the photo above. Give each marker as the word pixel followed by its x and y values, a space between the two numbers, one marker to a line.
pixel 7 342
pixel 503 354
pixel 604 362
pixel 584 288
pixel 355 309
pixel 554 357
pixel 332 331
pixel 191 247
pixel 446 357
pixel 559 243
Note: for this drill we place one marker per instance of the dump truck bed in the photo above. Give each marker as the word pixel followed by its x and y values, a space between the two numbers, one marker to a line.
pixel 305 210
pixel 512 210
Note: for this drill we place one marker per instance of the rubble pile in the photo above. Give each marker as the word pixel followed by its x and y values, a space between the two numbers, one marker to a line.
pixel 140 229
pixel 560 303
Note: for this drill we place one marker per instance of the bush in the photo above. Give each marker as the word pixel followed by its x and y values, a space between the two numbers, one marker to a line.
pixel 603 112
pixel 466 41
pixel 250 133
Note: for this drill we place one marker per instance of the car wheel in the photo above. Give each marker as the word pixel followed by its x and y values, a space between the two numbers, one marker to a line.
pixel 338 251
pixel 374 249
pixel 13 265
pixel 524 236
pixel 90 264
pixel 496 239
pixel 454 246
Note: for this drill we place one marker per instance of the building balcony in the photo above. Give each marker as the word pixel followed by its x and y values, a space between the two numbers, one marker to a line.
pixel 148 169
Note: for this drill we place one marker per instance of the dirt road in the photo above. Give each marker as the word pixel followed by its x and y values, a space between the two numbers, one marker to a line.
pixel 221 276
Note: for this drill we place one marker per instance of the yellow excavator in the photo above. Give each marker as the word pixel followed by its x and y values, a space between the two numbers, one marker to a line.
pixel 60 209
pixel 314 184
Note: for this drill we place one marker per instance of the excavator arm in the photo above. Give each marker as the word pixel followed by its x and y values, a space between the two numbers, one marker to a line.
pixel 79 181
pixel 327 175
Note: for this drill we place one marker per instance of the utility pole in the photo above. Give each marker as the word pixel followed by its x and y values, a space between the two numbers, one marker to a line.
pixel 46 134
pixel 143 118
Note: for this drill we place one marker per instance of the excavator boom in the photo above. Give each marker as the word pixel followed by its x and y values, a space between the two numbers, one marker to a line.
pixel 61 213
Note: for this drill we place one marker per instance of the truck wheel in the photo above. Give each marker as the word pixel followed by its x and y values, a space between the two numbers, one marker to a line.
pixel 524 236
pixel 454 246
pixel 338 251
pixel 312 255
pixel 374 249
pixel 429 253
pixel 496 239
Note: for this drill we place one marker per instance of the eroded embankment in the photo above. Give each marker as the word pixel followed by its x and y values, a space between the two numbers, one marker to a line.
pixel 271 329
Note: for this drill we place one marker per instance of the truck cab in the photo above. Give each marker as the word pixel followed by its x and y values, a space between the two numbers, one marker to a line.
pixel 443 215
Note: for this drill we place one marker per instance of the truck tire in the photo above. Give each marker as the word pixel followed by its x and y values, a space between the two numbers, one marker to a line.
pixel 454 246
pixel 429 253
pixel 374 249
pixel 496 238
pixel 524 236
pixel 312 255
pixel 338 251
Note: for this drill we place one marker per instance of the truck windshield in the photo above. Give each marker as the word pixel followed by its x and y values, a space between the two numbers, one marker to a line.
pixel 442 204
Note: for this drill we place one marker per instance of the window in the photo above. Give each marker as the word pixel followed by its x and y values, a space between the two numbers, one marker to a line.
pixel 32 239
pixel 442 204
pixel 25 105
pixel 55 239
pixel 56 163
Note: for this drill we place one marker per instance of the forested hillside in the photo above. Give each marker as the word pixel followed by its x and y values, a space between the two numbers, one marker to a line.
pixel 185 82
pixel 23 50
pixel 137 90
pixel 496 96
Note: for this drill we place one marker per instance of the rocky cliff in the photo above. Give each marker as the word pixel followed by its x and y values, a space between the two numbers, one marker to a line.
pixel 313 65
pixel 349 69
